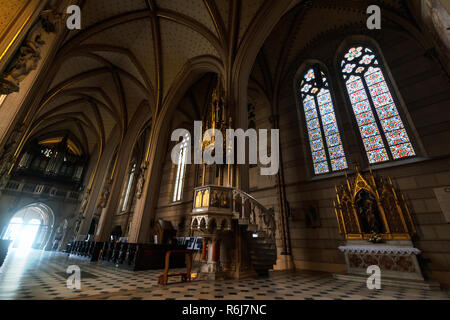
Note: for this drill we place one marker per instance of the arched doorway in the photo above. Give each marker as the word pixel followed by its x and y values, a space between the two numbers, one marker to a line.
pixel 30 227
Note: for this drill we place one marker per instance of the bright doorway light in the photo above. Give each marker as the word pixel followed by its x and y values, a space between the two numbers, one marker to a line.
pixel 22 234
pixel 30 227
pixel 24 228
pixel 28 234
pixel 14 229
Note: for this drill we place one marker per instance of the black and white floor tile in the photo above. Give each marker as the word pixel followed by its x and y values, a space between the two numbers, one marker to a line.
pixel 42 275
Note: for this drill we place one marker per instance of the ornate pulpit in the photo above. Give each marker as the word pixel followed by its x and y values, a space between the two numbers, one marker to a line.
pixel 375 220
pixel 238 232
pixel 212 218
pixel 211 214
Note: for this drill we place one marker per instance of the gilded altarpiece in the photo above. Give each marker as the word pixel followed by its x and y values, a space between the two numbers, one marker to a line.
pixel 378 227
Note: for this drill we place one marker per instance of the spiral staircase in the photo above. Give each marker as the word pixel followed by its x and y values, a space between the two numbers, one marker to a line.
pixel 215 209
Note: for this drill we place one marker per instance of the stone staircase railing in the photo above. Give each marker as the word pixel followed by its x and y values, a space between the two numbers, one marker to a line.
pixel 251 212
pixel 214 209
pixel 216 205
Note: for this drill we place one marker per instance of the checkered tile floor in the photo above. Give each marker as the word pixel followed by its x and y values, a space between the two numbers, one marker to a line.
pixel 42 275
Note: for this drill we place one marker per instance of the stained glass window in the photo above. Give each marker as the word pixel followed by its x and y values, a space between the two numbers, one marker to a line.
pixel 323 132
pixel 382 131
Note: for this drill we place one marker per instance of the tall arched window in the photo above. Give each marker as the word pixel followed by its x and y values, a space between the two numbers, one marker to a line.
pixel 374 106
pixel 323 131
pixel 179 179
pixel 128 188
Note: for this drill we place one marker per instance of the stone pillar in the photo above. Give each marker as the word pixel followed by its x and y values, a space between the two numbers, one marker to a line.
pixel 125 153
pixel 205 249
pixel 215 253
pixel 211 268
pixel 99 180
pixel 226 246
pixel 99 235
pixel 285 260
pixel 145 206
pixel 28 19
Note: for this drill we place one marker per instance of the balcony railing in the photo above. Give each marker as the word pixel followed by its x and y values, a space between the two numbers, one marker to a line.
pixel 215 206
pixel 41 190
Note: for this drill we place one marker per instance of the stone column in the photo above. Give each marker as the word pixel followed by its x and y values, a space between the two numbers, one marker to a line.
pixel 285 260
pixel 241 255
pixel 145 206
pixel 215 253
pixel 211 266
pixel 205 249
pixel 26 21
pixel 99 180
pixel 125 153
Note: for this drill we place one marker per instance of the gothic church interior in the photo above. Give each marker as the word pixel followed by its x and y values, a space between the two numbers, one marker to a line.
pixel 351 97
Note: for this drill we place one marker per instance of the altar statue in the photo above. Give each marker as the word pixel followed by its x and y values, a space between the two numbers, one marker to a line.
pixel 368 213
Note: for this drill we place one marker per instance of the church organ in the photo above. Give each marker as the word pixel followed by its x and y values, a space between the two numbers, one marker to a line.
pixel 57 158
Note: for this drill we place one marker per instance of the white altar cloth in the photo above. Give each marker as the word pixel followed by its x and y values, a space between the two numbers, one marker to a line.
pixel 380 249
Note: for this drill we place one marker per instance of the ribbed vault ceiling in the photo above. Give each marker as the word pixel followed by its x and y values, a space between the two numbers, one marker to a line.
pixel 311 21
pixel 129 53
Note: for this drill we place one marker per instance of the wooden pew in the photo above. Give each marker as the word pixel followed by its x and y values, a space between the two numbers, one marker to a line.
pixel 151 256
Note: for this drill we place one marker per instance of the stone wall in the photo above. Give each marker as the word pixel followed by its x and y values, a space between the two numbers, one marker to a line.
pixel 424 88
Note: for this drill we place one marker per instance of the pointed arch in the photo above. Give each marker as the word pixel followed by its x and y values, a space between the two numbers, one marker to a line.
pixel 316 101
pixel 369 89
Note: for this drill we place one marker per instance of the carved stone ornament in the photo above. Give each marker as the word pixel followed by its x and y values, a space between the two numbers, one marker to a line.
pixel 105 195
pixel 7 154
pixel 380 249
pixel 140 183
pixel 29 54
pixel 84 202
pixel 50 19
pixel 78 224
pixel 26 61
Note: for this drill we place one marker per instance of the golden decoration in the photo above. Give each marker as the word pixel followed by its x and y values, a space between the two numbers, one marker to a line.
pixel 367 205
